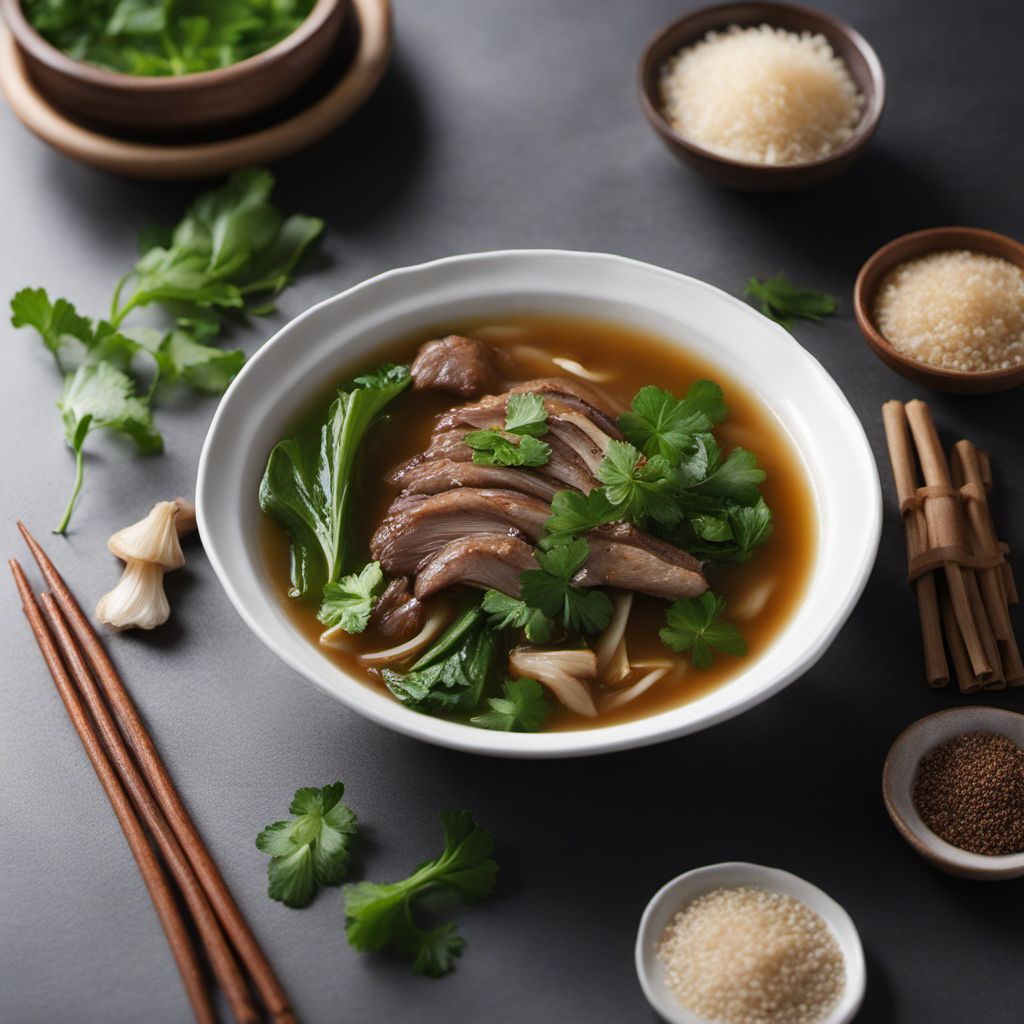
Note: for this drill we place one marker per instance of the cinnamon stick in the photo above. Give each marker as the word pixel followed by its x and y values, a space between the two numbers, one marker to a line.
pixel 265 981
pixel 965 677
pixel 915 528
pixel 152 876
pixel 945 530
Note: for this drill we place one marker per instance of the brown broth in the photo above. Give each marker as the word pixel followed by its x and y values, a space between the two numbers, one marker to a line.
pixel 782 566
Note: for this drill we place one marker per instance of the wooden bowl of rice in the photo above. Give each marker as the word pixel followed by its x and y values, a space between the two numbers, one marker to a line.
pixel 762 97
pixel 945 308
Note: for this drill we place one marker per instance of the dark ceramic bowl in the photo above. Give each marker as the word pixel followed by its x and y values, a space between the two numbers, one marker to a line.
pixel 909 247
pixel 847 43
pixel 117 102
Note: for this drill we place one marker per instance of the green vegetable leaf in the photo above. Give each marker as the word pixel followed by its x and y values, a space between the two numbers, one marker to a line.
pixel 641 487
pixel 526 414
pixel 453 671
pixel 572 513
pixel 511 613
pixel 309 492
pixel 203 367
pixel 661 424
pixel 380 915
pixel 694 625
pixel 347 603
pixel 311 849
pixel 494 448
pixel 550 588
pixel 781 301
pixel 55 322
pixel 521 708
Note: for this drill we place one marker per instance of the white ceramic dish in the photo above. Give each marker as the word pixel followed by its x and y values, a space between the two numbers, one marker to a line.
pixel 320 345
pixel 682 891
pixel 898 788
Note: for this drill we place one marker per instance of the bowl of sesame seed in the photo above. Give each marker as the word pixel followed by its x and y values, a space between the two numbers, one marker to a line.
pixel 953 784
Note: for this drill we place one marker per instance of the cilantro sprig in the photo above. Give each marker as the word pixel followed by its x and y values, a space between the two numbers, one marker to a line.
pixel 526 420
pixel 506 612
pixel 348 603
pixel 312 848
pixel 232 252
pixel 522 707
pixel 550 589
pixel 782 301
pixel 694 624
pixel 384 915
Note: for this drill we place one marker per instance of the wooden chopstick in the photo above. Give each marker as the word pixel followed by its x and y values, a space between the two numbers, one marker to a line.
pixel 271 992
pixel 159 890
pixel 222 960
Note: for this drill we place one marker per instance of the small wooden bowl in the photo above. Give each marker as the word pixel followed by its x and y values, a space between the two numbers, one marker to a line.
pixel 856 53
pixel 898 786
pixel 177 104
pixel 909 247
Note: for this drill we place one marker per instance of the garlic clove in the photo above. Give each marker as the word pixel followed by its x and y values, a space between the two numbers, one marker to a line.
pixel 138 601
pixel 153 539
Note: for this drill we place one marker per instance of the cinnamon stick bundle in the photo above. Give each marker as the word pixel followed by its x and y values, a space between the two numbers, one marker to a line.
pixel 956 564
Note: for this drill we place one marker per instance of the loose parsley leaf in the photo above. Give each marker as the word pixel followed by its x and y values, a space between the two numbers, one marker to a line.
pixel 203 367
pixel 453 671
pixel 380 915
pixel 661 424
pixel 309 491
pixel 550 588
pixel 728 537
pixel 511 613
pixel 522 708
pixel 100 397
pixel 311 849
pixel 781 301
pixel 54 321
pixel 494 448
pixel 639 486
pixel 347 603
pixel 526 414
pixel 572 513
pixel 693 625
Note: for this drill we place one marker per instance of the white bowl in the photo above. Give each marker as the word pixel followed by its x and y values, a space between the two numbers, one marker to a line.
pixel 899 774
pixel 681 891
pixel 321 344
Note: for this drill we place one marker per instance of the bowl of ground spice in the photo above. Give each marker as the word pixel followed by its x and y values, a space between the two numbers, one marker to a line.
pixel 739 943
pixel 945 308
pixel 762 96
pixel 953 785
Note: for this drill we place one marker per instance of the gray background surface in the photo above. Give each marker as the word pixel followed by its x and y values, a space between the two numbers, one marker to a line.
pixel 501 125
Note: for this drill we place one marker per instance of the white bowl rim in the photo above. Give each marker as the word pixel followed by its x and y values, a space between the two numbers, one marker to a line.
pixel 684 888
pixel 641 732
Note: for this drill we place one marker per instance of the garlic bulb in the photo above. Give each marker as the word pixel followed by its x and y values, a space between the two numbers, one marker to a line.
pixel 153 539
pixel 138 601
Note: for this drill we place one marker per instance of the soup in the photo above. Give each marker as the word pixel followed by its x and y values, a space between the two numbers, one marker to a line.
pixel 608 364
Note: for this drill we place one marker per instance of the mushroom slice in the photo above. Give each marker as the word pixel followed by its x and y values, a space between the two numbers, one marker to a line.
pixel 431 628
pixel 153 539
pixel 138 601
pixel 566 673
pixel 612 639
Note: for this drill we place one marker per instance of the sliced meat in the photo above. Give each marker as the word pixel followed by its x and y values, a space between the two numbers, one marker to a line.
pixel 490 412
pixel 397 614
pixel 416 526
pixel 439 475
pixel 490 561
pixel 572 388
pixel 623 556
pixel 461 366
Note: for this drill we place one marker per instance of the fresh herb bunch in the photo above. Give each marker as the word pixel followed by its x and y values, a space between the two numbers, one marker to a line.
pixel 782 301
pixel 311 849
pixel 381 915
pixel 165 37
pixel 231 253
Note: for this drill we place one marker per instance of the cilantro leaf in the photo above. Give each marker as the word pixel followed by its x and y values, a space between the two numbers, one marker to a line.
pixel 347 603
pixel 661 424
pixel 572 513
pixel 511 613
pixel 693 624
pixel 494 448
pixel 521 708
pixel 453 671
pixel 550 588
pixel 380 915
pixel 639 486
pixel 311 849
pixel 203 367
pixel 100 397
pixel 782 301
pixel 55 322
pixel 526 414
